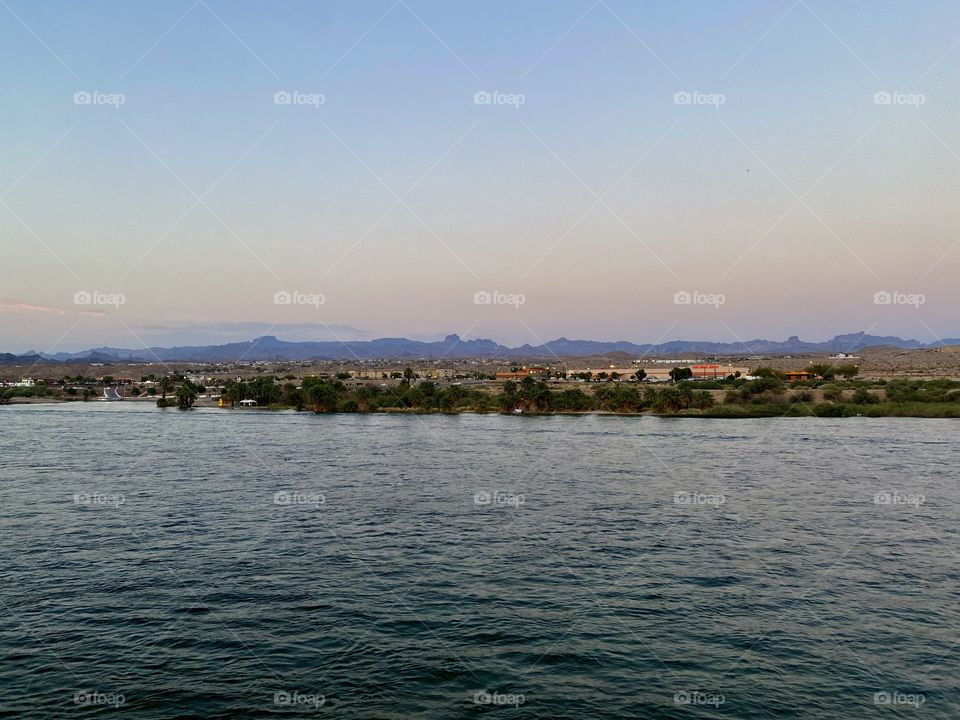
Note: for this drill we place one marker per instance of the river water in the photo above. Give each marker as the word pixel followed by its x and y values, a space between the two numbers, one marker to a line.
pixel 162 564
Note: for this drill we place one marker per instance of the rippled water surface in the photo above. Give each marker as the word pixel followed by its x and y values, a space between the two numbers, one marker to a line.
pixel 256 564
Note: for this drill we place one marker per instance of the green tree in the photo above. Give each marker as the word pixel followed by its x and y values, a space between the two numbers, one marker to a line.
pixel 574 399
pixel 848 371
pixel 264 390
pixel 324 397
pixel 186 395
pixel 668 400
pixel 678 374
pixel 824 370
pixel 165 385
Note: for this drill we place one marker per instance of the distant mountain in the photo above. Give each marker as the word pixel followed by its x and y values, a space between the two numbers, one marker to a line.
pixel 269 347
pixel 30 357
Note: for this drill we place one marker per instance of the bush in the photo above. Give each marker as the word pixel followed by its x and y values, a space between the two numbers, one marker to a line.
pixel 832 392
pixel 703 400
pixel 828 410
pixel 349 406
pixel 574 400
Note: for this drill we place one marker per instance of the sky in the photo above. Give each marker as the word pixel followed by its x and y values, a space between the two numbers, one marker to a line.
pixel 193 172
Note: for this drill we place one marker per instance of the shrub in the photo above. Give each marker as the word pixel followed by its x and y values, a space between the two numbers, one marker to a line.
pixel 703 400
pixel 832 392
pixel 828 410
pixel 349 406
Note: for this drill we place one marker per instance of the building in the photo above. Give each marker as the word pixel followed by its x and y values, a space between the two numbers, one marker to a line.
pixel 370 374
pixel 521 373
pixel 716 371
pixel 795 375
pixel 707 372
pixel 621 373
pixel 436 373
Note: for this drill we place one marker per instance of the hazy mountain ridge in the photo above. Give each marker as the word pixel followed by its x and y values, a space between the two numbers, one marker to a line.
pixel 269 347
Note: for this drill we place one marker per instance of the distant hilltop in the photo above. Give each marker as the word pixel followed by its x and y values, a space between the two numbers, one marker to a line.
pixel 269 347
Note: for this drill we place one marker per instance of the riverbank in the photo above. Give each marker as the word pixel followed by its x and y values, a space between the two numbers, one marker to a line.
pixel 719 412
pixel 729 399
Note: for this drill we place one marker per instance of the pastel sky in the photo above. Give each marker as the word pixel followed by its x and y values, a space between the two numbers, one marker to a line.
pixel 781 162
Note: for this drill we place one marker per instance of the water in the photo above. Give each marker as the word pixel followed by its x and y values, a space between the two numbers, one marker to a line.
pixel 376 586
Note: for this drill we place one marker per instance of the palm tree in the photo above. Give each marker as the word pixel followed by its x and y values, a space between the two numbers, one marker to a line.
pixel 165 385
pixel 186 396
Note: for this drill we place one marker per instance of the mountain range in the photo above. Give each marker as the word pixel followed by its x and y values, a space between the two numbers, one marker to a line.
pixel 269 347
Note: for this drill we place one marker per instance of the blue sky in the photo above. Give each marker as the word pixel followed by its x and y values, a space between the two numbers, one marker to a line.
pixel 787 190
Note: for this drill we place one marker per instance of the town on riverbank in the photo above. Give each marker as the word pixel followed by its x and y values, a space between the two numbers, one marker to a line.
pixel 823 386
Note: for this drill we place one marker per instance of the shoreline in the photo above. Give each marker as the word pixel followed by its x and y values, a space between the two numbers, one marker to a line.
pixel 718 412
pixel 765 396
